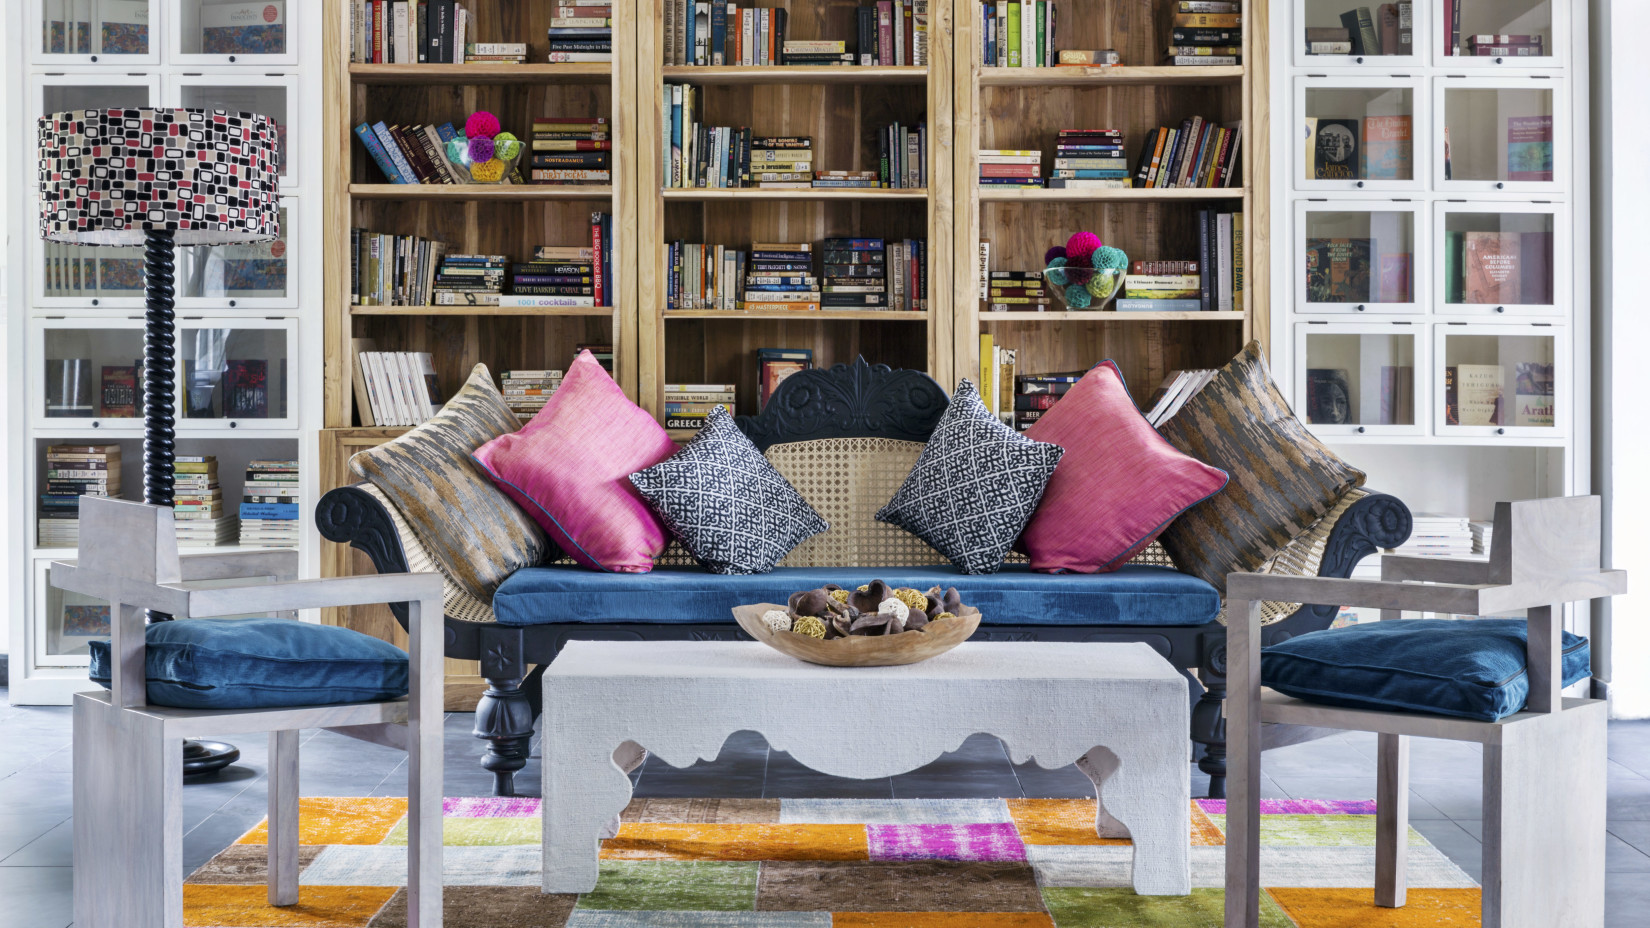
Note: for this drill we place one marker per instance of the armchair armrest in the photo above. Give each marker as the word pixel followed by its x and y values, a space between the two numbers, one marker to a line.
pixel 287 595
pixel 282 564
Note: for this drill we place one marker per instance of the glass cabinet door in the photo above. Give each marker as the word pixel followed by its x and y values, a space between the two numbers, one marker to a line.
pixel 1336 33
pixel 235 373
pixel 91 372
pixel 240 276
pixel 1501 381
pixel 235 31
pixel 1360 136
pixel 1359 256
pixel 117 32
pixel 1501 260
pixel 1503 33
pixel 268 95
pixel 1359 379
pixel 1499 135
pixel 66 624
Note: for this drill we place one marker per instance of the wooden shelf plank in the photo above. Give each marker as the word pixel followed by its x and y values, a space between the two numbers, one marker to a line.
pixel 796 74
pixel 1110 316
pixel 1126 195
pixel 1099 77
pixel 359 310
pixel 459 192
pixel 801 193
pixel 584 72
pixel 883 315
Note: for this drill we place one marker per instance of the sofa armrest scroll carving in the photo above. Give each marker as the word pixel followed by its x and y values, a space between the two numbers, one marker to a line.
pixel 350 515
pixel 1375 522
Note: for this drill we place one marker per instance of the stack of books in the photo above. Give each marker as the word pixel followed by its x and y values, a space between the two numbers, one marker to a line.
pixel 269 505
pixel 1438 535
pixel 1198 154
pixel 1211 282
pixel 687 404
pixel 198 503
pixel 526 392
pixel 1018 33
pixel 393 270
pixel 780 162
pixel 566 275
pixel 469 280
pixel 495 52
pixel 1173 393
pixel 1504 46
pixel 602 353
pixel 908 275
pixel 1162 286
pixel 904 156
pixel 1017 291
pixel 856 274
pixel 1387 29
pixel 571 150
pixel 1036 394
pixel 1088 58
pixel 849 179
pixel 401 31
pixel 1483 535
pixel 73 471
pixel 773 365
pixel 581 31
pixel 779 276
pixel 810 52
pixel 1008 167
pixel 395 388
pixel 1206 33
pixel 703 276
pixel 412 154
pixel 1090 158
pixel 705 156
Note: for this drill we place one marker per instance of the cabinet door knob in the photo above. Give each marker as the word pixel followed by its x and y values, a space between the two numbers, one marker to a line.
pixel 96 423
pixel 1359 307
pixel 1500 60
pixel 1500 186
pixel 1360 57
pixel 1360 183
pixel 1501 309
pixel 231 303
pixel 94 302
pixel 1500 431
pixel 1360 430
pixel 233 423
pixel 231 59
pixel 94 59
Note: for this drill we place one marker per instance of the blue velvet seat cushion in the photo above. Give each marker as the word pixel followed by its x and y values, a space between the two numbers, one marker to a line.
pixel 1133 595
pixel 261 664
pixel 1467 668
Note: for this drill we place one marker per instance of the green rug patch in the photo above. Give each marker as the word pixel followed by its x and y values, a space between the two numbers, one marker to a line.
pixel 1122 908
pixel 1318 831
pixel 692 885
pixel 477 832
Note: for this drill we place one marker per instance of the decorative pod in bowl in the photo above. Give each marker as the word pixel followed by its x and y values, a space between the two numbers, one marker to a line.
pixel 873 626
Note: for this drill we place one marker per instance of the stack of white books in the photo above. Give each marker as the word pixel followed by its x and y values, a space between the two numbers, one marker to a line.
pixel 1482 535
pixel 1438 535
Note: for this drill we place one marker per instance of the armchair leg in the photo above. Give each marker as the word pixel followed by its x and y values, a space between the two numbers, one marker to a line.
pixel 283 817
pixel 504 719
pixel 1209 729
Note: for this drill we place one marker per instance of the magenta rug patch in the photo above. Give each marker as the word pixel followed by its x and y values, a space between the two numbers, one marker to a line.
pixel 489 807
pixel 1298 806
pixel 994 841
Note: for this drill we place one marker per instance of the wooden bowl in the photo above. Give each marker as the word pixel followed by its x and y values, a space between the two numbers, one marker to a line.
pixel 931 640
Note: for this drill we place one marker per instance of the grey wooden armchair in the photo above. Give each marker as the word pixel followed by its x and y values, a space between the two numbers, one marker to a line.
pixel 128 754
pixel 1544 767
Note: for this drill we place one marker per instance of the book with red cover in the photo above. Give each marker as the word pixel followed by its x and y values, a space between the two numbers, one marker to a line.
pixel 247 393
pixel 1386 148
pixel 1491 264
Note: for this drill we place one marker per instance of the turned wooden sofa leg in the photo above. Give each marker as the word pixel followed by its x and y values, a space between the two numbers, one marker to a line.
pixel 1209 718
pixel 508 708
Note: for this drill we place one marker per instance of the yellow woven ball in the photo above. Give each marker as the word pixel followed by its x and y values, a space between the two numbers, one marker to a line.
pixel 840 596
pixel 913 599
pixel 865 588
pixel 809 625
pixel 487 171
pixel 944 615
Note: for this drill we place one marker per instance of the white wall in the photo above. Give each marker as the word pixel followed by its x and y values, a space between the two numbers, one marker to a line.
pixel 1621 239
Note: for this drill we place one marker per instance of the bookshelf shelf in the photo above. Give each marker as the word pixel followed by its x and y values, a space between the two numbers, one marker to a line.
pixel 507 193
pixel 1129 195
pixel 597 312
pixel 598 72
pixel 725 194
pixel 1105 316
pixel 1111 76
pixel 878 315
pixel 794 74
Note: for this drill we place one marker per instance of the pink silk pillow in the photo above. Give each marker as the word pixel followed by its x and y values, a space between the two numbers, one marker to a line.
pixel 1118 485
pixel 570 468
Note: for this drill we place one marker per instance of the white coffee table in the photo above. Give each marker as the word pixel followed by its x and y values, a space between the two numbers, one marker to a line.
pixel 1119 711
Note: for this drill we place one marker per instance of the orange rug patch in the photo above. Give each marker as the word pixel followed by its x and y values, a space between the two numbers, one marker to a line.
pixel 1356 908
pixel 1205 833
pixel 941 920
pixel 674 841
pixel 247 906
pixel 1057 821
pixel 339 820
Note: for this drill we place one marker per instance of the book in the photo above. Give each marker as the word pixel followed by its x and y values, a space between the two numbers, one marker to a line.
pixel 1478 393
pixel 1530 148
pixel 1396 396
pixel 776 364
pixel 1533 394
pixel 1337 270
pixel 242 27
pixel 1387 148
pixel 1335 145
pixel 1491 267
pixel 1328 396
pixel 1360 25
pixel 246 385
pixel 120 392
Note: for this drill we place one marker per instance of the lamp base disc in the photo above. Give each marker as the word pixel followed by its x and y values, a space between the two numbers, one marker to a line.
pixel 207 757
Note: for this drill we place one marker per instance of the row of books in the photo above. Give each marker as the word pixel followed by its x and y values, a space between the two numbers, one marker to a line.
pixel 1353 148
pixel 227 27
pixel 409 31
pixel 269 505
pixel 1473 394
pixel 1082 158
pixel 1199 153
pixel 405 270
pixel 718 32
pixel 394 388
pixel 252 270
pixel 1173 393
pixel 197 504
pixel 570 151
pixel 1213 281
pixel 858 273
pixel 412 154
pixel 1388 29
pixel 687 404
pixel 393 270
pixel 526 392
pixel 1018 33
pixel 1508 46
pixel 1206 33
pixel 1384 395
pixel 73 471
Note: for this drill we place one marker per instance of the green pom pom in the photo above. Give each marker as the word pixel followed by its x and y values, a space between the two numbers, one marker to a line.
pixel 1110 259
pixel 1056 277
pixel 1102 285
pixel 1077 297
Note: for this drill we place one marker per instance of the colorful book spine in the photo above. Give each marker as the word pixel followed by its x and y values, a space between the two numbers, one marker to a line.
pixel 375 148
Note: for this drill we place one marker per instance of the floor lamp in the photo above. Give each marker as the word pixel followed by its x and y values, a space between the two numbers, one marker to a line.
pixel 160 178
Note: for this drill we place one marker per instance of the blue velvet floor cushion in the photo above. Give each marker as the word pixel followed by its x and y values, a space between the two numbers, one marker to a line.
pixel 1133 595
pixel 262 663
pixel 1467 668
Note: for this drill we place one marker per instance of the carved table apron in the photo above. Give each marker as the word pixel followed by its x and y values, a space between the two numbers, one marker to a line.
pixel 1118 710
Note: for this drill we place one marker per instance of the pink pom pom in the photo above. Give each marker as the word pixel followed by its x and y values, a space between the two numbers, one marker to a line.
pixel 481 125
pixel 1081 246
pixel 481 150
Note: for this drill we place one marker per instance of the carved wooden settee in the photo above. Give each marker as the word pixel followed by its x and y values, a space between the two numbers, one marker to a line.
pixel 846 437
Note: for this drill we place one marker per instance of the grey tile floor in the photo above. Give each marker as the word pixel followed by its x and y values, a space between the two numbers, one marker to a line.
pixel 35 807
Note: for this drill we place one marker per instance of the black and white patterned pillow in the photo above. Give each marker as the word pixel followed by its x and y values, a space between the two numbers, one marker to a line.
pixel 732 510
pixel 974 487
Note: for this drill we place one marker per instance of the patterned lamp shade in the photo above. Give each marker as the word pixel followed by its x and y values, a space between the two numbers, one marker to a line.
pixel 109 176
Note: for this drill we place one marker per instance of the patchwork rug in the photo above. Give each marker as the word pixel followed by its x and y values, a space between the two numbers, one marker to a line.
pixel 825 863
